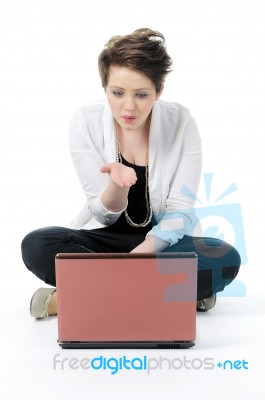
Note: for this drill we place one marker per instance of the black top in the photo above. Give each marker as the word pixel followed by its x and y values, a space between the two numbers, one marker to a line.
pixel 137 208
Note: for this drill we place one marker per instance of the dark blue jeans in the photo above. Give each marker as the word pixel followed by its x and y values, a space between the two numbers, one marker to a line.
pixel 218 261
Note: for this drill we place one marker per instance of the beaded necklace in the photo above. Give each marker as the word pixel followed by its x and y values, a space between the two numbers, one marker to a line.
pixel 149 214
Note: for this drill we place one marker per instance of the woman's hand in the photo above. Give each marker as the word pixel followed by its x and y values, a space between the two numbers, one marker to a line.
pixel 151 244
pixel 120 174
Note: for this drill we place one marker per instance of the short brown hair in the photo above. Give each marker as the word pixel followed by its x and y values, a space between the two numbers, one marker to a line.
pixel 144 50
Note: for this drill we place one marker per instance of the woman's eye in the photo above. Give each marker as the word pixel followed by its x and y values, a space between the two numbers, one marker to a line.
pixel 118 94
pixel 141 95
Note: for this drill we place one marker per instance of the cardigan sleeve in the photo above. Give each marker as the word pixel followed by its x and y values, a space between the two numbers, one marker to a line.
pixel 178 217
pixel 86 147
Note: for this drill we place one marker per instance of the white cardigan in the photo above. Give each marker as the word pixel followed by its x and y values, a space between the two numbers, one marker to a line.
pixel 174 166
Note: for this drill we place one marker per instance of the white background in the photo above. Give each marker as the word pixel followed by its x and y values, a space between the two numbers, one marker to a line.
pixel 48 53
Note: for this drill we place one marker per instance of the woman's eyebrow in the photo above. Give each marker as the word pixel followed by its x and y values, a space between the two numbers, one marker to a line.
pixel 135 90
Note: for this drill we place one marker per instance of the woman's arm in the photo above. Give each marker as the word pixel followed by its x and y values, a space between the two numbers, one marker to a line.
pixel 106 186
pixel 115 196
pixel 86 142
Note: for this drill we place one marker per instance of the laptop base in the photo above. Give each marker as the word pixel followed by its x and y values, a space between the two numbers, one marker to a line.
pixel 126 345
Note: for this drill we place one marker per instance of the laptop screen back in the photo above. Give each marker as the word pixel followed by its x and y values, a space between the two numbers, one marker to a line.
pixel 126 297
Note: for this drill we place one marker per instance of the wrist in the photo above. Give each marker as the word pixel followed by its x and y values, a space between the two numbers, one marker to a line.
pixel 115 198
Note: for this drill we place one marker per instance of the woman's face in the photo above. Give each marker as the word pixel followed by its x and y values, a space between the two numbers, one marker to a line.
pixel 131 96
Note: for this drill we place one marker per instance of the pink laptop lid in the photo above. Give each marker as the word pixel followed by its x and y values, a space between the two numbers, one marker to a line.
pixel 126 297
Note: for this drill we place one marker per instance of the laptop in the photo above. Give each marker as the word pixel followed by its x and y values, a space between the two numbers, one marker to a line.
pixel 126 300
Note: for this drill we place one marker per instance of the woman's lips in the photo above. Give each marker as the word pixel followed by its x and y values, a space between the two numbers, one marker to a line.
pixel 129 118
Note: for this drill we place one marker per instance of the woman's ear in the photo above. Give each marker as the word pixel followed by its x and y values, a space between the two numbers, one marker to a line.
pixel 160 92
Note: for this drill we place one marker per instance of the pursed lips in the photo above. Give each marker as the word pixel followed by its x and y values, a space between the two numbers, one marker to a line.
pixel 129 118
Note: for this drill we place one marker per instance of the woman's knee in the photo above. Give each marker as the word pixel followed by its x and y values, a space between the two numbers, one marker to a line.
pixel 38 244
pixel 216 249
pixel 31 246
pixel 234 257
pixel 37 254
pixel 231 265
pixel 219 262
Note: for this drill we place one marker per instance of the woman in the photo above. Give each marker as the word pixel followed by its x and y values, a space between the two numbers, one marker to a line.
pixel 135 156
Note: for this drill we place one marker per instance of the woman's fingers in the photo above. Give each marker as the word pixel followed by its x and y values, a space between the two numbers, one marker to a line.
pixel 120 174
pixel 105 168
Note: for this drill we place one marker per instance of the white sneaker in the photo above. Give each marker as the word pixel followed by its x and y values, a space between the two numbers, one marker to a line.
pixel 40 302
pixel 206 304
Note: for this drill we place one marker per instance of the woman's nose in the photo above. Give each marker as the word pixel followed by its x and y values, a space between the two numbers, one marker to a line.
pixel 129 103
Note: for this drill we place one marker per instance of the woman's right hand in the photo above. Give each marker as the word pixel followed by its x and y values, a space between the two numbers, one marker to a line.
pixel 120 174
